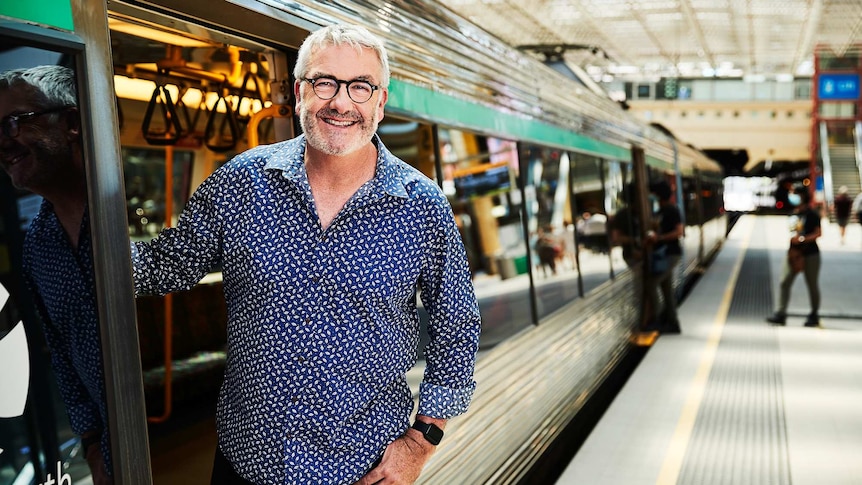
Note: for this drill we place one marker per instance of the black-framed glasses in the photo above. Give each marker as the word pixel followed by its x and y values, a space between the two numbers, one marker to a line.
pixel 327 88
pixel 11 125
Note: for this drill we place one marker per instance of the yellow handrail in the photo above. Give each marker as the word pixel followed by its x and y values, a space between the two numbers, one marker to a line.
pixel 168 299
pixel 273 111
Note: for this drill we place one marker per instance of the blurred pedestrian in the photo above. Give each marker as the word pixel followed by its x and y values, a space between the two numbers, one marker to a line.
pixel 665 240
pixel 805 229
pixel 857 207
pixel 842 205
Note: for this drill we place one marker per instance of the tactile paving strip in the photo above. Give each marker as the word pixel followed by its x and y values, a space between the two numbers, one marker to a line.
pixel 739 436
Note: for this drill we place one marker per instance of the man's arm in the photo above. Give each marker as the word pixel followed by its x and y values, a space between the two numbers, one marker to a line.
pixel 453 328
pixel 179 257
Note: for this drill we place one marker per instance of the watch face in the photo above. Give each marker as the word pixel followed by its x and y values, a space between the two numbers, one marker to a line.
pixel 431 432
pixel 434 434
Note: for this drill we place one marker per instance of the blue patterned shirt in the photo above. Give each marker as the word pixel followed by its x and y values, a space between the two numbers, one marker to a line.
pixel 322 324
pixel 61 280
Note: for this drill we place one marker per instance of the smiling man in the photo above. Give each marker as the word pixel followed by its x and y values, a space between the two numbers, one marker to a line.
pixel 323 242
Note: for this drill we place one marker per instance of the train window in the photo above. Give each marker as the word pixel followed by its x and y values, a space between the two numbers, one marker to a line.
pixel 145 180
pixel 552 227
pixel 480 179
pixel 616 177
pixel 410 141
pixel 591 195
pixel 53 404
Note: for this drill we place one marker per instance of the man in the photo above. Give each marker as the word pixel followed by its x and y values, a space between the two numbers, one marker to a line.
pixel 323 241
pixel 669 228
pixel 806 230
pixel 40 150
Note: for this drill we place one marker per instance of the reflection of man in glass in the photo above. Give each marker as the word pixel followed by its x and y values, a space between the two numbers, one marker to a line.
pixel 40 151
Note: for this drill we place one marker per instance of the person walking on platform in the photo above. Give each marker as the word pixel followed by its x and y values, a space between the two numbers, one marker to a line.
pixel 842 205
pixel 857 207
pixel 324 242
pixel 669 229
pixel 805 227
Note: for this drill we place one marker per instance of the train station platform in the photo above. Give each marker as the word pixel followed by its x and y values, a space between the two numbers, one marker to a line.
pixel 733 399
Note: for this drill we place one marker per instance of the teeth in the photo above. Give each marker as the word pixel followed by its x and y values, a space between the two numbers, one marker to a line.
pixel 340 123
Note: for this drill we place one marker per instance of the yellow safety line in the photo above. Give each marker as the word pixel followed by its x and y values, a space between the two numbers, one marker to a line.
pixel 679 443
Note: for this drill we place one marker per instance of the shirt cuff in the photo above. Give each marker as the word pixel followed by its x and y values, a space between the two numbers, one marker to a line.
pixel 444 402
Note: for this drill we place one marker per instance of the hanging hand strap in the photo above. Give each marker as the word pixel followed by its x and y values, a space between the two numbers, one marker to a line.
pixel 172 129
pixel 217 141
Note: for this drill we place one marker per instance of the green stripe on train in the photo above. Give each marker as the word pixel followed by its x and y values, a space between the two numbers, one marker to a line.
pixel 452 111
pixel 52 13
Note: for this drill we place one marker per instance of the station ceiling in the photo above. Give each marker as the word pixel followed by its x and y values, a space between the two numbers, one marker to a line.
pixel 649 39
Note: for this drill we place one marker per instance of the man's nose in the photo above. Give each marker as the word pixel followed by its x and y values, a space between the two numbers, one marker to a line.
pixel 341 98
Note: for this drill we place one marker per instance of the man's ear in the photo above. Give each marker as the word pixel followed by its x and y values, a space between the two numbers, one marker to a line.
pixel 384 97
pixel 73 121
pixel 296 95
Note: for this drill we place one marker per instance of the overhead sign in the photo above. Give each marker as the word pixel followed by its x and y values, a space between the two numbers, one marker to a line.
pixel 54 13
pixel 838 86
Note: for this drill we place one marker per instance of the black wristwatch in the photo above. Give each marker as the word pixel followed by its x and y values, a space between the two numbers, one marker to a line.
pixel 431 432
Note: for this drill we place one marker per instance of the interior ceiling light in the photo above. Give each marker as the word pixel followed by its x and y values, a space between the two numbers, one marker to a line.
pixel 154 34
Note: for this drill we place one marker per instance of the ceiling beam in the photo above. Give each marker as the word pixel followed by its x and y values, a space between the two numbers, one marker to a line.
pixel 672 57
pixel 805 46
pixel 691 18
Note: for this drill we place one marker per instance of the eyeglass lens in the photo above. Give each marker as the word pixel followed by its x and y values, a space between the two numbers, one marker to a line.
pixel 11 125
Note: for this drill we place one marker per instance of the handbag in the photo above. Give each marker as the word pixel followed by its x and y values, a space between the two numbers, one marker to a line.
pixel 795 259
pixel 658 260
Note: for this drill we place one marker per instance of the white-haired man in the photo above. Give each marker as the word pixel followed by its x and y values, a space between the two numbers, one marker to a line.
pixel 323 241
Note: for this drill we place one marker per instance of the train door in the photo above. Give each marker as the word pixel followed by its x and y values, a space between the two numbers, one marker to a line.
pixel 68 382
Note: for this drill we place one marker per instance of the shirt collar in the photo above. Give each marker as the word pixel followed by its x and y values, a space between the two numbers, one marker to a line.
pixel 389 176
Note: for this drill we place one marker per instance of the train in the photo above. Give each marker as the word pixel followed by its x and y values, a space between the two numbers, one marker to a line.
pixel 170 90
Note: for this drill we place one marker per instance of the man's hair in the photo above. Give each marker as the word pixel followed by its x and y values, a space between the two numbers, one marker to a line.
pixel 49 86
pixel 336 35
pixel 662 190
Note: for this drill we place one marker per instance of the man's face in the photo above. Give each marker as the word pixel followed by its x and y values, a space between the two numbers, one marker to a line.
pixel 340 126
pixel 40 156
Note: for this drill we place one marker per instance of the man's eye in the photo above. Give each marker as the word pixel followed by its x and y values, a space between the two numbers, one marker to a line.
pixel 325 83
pixel 360 88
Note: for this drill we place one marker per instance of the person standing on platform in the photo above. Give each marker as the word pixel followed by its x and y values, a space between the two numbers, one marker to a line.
pixel 669 228
pixel 857 207
pixel 805 226
pixel 324 242
pixel 842 205
pixel 40 150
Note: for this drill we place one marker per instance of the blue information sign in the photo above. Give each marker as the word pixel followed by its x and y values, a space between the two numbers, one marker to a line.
pixel 838 86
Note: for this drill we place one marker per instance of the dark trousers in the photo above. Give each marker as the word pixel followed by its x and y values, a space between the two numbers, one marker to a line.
pixel 223 472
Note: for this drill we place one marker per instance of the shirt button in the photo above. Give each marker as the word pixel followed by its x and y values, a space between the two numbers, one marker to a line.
pixel 315 279
pixel 294 399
